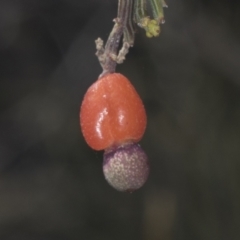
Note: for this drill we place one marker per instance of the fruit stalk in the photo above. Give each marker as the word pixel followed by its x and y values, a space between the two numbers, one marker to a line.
pixel 109 56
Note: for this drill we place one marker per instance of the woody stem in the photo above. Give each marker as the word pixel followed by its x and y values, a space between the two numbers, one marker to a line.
pixel 108 56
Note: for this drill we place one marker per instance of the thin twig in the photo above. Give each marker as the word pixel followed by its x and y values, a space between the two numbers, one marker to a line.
pixel 108 56
pixel 128 10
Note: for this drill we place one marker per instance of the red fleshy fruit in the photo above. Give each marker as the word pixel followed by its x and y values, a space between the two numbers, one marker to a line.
pixel 112 113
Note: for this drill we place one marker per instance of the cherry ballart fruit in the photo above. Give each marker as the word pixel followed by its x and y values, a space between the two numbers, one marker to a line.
pixel 113 118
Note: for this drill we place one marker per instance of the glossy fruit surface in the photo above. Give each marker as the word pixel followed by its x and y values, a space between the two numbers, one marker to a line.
pixel 112 112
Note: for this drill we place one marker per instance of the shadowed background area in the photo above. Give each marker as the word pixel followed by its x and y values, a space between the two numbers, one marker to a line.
pixel 51 182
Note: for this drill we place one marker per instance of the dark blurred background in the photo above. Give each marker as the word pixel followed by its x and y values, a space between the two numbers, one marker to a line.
pixel 51 182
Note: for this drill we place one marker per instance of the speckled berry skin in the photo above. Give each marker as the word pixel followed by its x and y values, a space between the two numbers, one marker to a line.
pixel 126 167
pixel 112 113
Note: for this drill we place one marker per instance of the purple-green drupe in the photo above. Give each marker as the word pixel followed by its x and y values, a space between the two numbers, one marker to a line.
pixel 126 166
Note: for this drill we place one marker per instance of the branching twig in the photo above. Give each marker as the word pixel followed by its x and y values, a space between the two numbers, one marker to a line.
pixel 109 56
pixel 128 10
